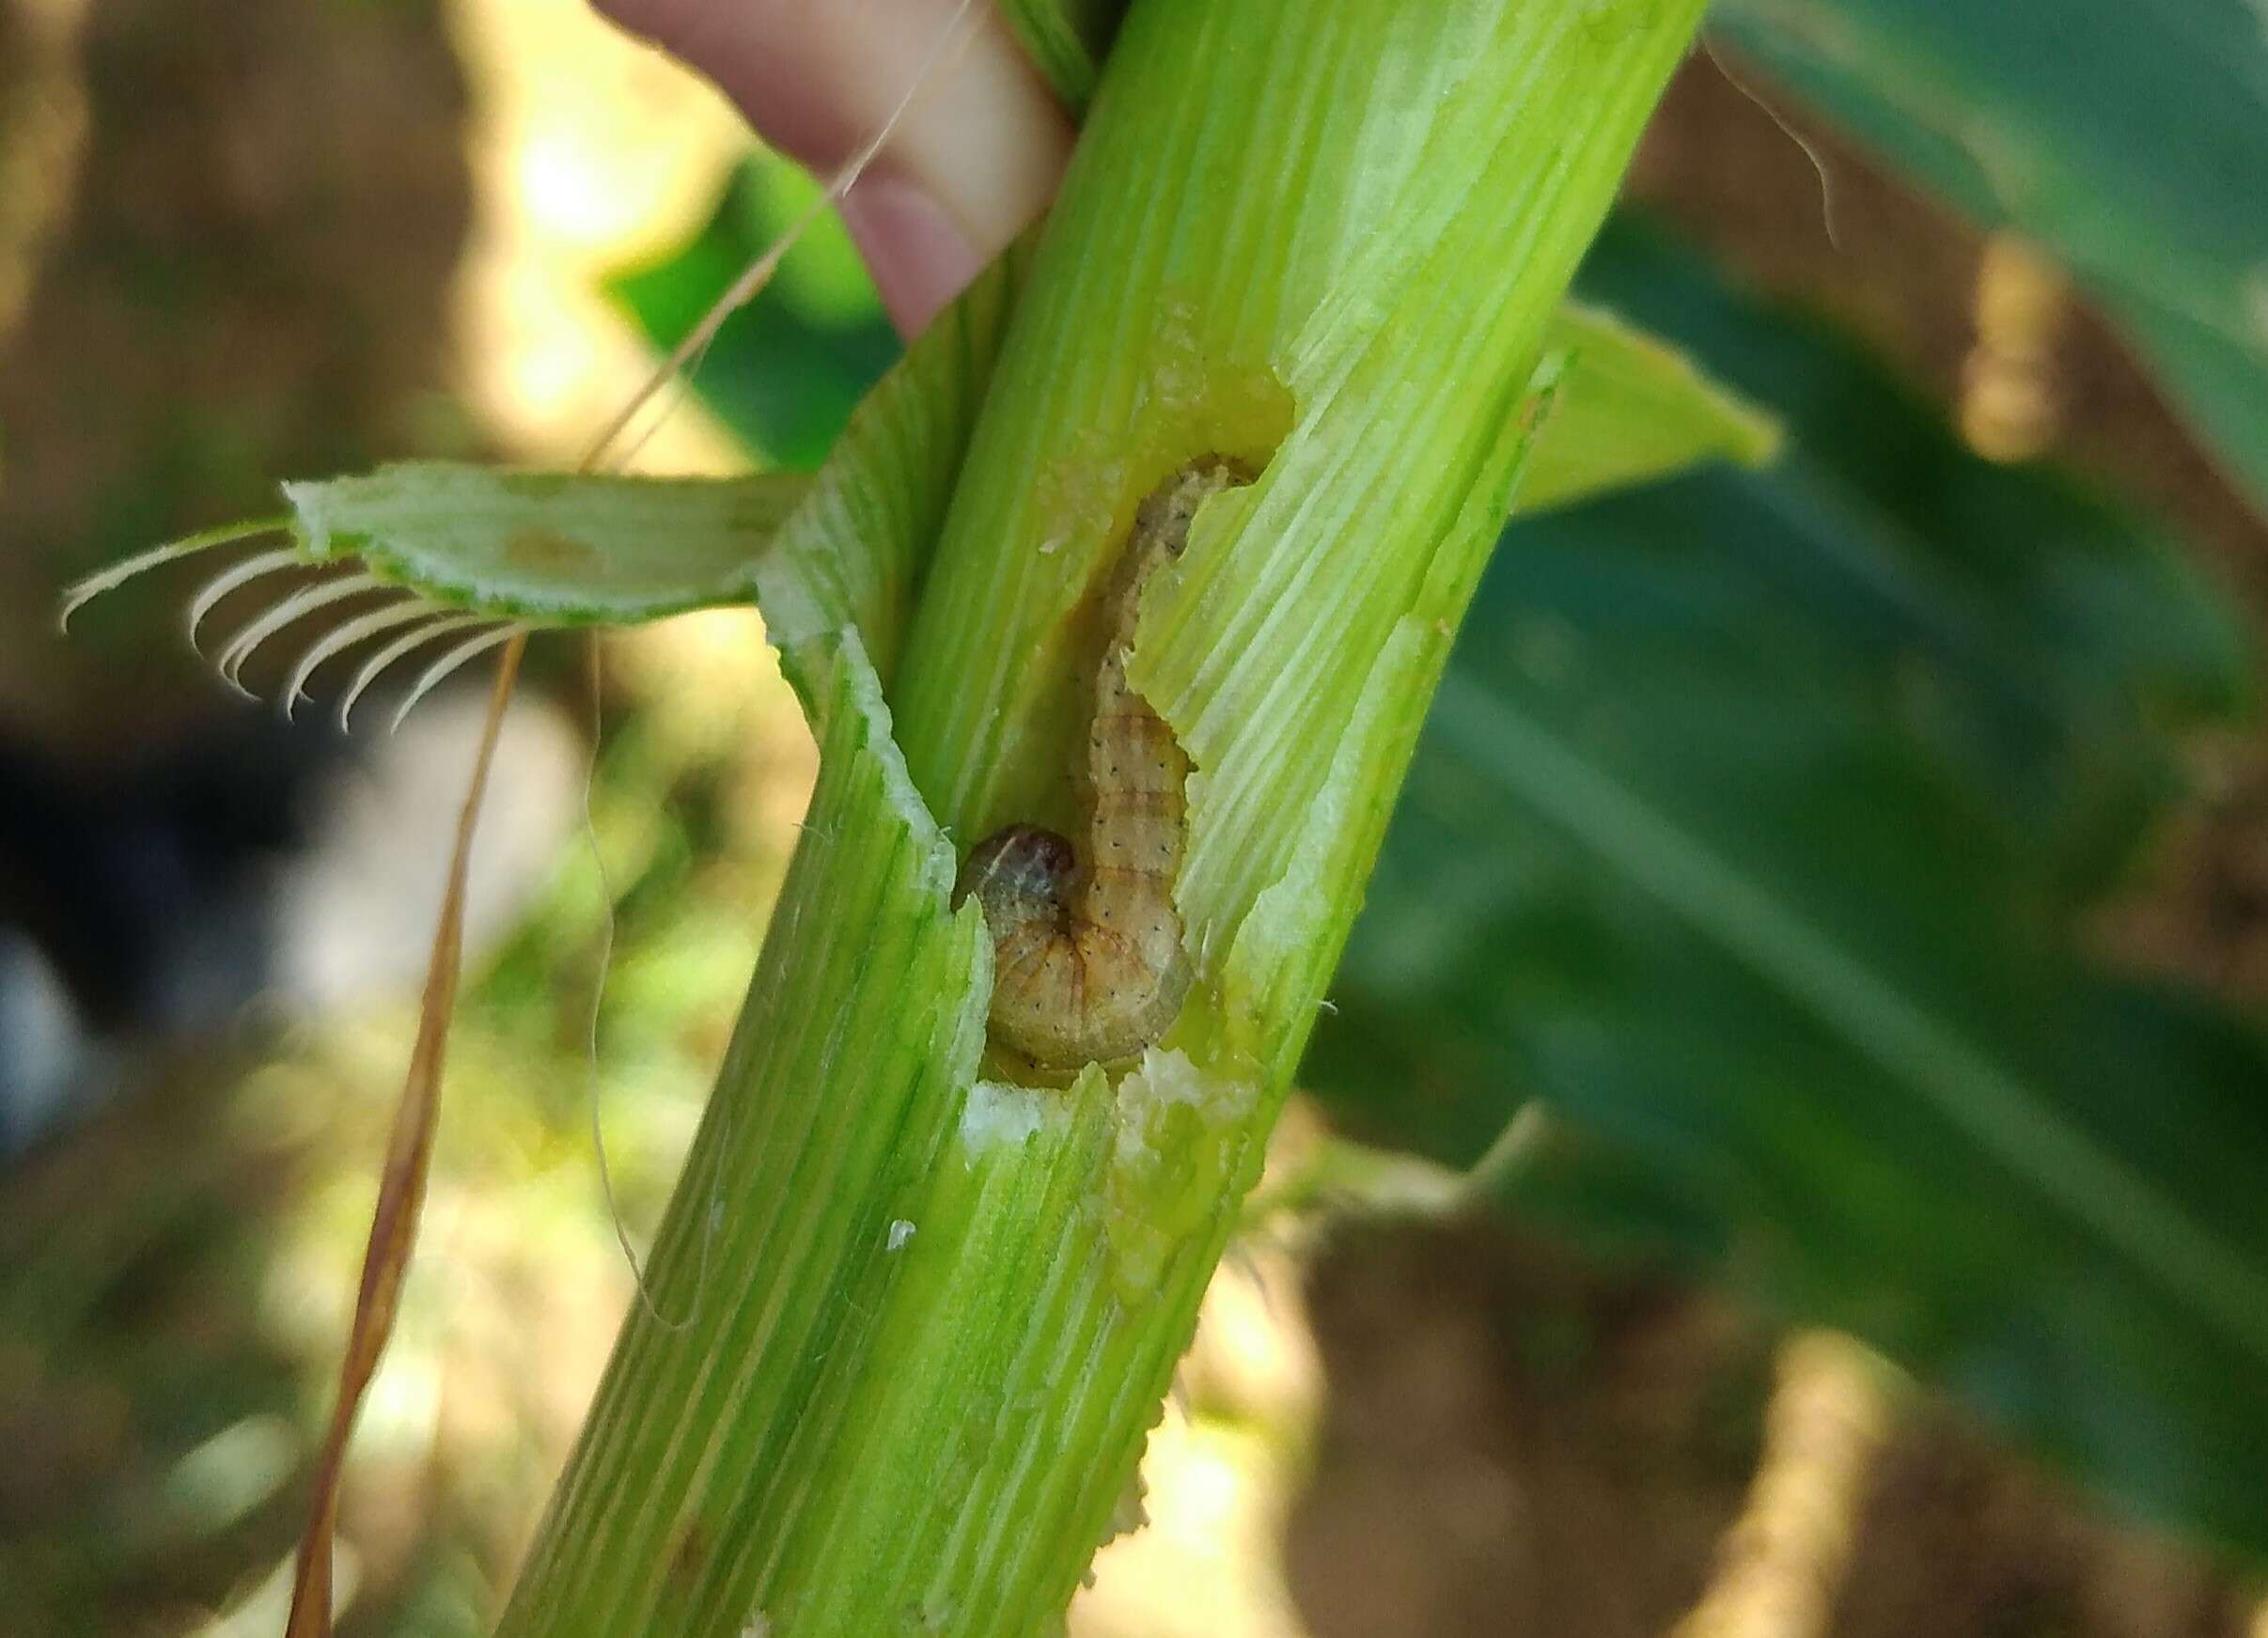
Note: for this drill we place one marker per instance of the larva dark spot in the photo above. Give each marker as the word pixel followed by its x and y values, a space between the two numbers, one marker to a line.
pixel 1088 966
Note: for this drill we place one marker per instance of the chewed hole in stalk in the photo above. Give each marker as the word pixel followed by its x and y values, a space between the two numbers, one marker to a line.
pixel 1088 960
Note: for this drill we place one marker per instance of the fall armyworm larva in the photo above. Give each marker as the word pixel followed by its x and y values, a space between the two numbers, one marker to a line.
pixel 1087 961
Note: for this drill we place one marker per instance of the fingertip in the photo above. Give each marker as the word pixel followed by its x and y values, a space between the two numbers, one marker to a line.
pixel 919 255
pixel 977 142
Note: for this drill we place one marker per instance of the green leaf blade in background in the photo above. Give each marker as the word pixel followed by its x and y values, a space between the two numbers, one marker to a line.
pixel 2131 141
pixel 2046 645
pixel 1750 830
pixel 785 371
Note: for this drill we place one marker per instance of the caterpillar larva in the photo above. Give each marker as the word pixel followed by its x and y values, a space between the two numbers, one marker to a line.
pixel 1088 961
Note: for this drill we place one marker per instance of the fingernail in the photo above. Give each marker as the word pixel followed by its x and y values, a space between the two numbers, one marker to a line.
pixel 919 257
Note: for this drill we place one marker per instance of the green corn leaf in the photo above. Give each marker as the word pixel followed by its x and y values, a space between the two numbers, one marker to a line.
pixel 2129 141
pixel 1628 407
pixel 548 548
pixel 1752 831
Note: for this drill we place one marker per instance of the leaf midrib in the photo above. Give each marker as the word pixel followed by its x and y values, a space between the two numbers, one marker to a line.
pixel 1982 1098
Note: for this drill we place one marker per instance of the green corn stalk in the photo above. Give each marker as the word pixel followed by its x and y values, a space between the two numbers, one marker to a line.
pixel 918 1316
pixel 941 1311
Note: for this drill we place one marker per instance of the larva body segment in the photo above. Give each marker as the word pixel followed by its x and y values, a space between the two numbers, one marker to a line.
pixel 1087 961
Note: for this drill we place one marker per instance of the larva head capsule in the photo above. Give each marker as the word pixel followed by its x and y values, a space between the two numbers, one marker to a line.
pixel 1068 989
pixel 1023 876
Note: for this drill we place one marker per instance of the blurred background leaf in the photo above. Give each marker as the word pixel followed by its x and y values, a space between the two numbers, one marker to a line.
pixel 2132 141
pixel 786 370
pixel 1750 832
